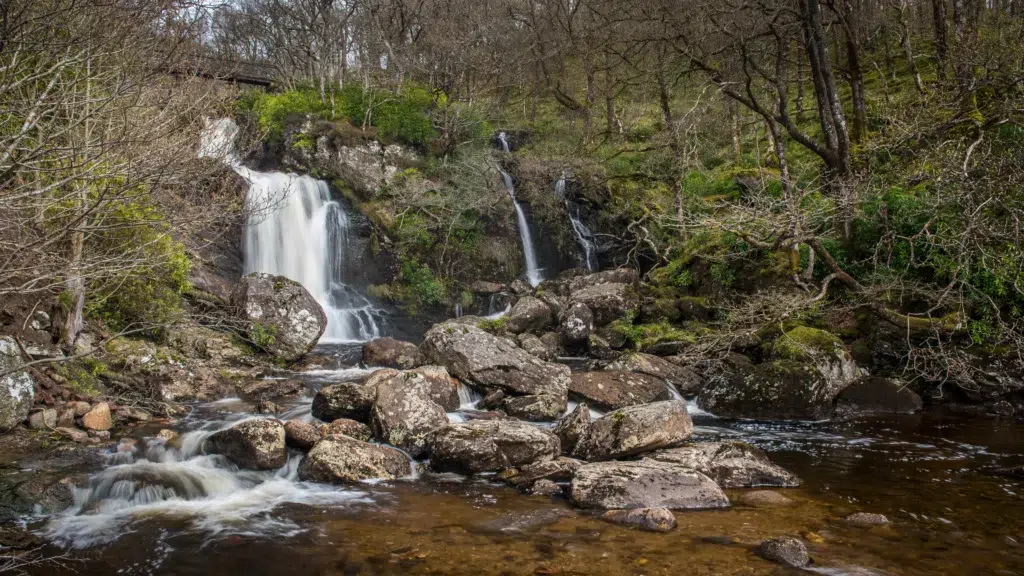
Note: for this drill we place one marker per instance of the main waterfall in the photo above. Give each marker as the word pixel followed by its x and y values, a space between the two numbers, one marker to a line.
pixel 296 230
pixel 529 254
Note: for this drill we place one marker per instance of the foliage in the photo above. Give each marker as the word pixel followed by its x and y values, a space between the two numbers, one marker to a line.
pixel 401 116
pixel 263 336
pixel 642 336
pixel 272 110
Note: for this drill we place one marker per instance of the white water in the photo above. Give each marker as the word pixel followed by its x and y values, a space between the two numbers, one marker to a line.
pixel 533 273
pixel 584 236
pixel 295 230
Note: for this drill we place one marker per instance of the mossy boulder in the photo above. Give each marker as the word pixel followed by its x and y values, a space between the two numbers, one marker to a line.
pixel 807 344
pixel 281 316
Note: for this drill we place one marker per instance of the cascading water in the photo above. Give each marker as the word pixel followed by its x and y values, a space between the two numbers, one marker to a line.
pixel 533 273
pixel 295 230
pixel 583 234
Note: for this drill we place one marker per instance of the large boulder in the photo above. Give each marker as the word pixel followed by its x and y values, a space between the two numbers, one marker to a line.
pixel 338 459
pixel 635 430
pixel 490 446
pixel 730 464
pixel 391 353
pixel 404 414
pixel 535 346
pixel 257 443
pixel 349 399
pixel 611 390
pixel 686 380
pixel 17 388
pixel 301 435
pixel 529 315
pixel 573 426
pixel 608 302
pixel 535 407
pixel 475 356
pixel 878 395
pixel 282 317
pixel 440 386
pixel 577 324
pixel 644 484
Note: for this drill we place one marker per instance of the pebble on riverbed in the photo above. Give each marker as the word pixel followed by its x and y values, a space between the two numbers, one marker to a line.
pixel 763 499
pixel 785 550
pixel 866 519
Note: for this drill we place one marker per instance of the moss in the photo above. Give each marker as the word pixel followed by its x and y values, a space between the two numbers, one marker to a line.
pixel 263 336
pixel 83 376
pixel 805 343
pixel 494 326
pixel 646 335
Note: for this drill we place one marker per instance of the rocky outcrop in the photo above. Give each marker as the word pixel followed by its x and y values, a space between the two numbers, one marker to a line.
pixel 404 414
pixel 475 356
pixel 572 427
pixel 686 380
pixel 729 464
pixel 607 301
pixel 17 389
pixel 281 316
pixel 490 446
pixel 577 324
pixel 440 386
pixel 611 390
pixel 650 519
pixel 391 353
pixel 258 444
pixel 878 395
pixel 644 484
pixel 635 430
pixel 341 459
pixel 529 315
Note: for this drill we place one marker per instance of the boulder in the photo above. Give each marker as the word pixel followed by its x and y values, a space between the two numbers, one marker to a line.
pixel 553 342
pixel 545 488
pixel 474 355
pixel 729 464
pixel 611 390
pixel 644 484
pixel 878 395
pixel 46 420
pixel 442 388
pixel 267 388
pixel 613 276
pixel 258 444
pixel 572 427
pixel 599 348
pixel 74 434
pixel 17 389
pixel 685 380
pixel 349 428
pixel 404 414
pixel 391 353
pixel 608 302
pixel 66 418
pixel 490 446
pixel 536 347
pixel 635 430
pixel 267 407
pixel 485 287
pixel 535 407
pixel 349 399
pixel 282 317
pixel 98 418
pixel 650 519
pixel 560 469
pixel 577 324
pixel 529 314
pixel 785 550
pixel 763 499
pixel 338 459
pixel 866 519
pixel 301 435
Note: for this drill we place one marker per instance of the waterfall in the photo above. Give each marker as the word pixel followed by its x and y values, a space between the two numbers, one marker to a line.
pixel 295 230
pixel 583 234
pixel 529 255
pixel 503 140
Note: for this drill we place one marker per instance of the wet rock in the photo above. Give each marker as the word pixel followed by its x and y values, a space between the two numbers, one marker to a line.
pixel 485 287
pixel 258 444
pixel 492 400
pixel 440 386
pixel 644 484
pixel 339 459
pixel 878 395
pixel 474 355
pixel 404 414
pixel 763 499
pixel 577 324
pixel 730 464
pixel 301 435
pixel 167 435
pixel 560 469
pixel 350 428
pixel 614 276
pixel 650 519
pixel 611 390
pixel 535 346
pixel 490 446
pixel 785 550
pixel 635 430
pixel 134 414
pixel 17 389
pixel 266 388
pixel 545 488
pixel 98 418
pixel 391 353
pixel 866 519
pixel 267 407
pixel 535 408
pixel 282 317
pixel 685 380
pixel 572 427
pixel 348 399
pixel 521 522
pixel 529 314
pixel 44 420
pixel 608 302
pixel 74 434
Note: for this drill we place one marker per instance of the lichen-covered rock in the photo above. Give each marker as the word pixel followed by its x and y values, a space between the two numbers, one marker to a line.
pixel 544 487
pixel 572 427
pixel 650 519
pixel 258 444
pixel 730 464
pixel 536 347
pixel 490 446
pixel 301 435
pixel 442 388
pixel 553 342
pixel 614 276
pixel 608 302
pixel 349 399
pixel 535 407
pixel 686 380
pixel 785 550
pixel 635 430
pixel 347 427
pixel 268 388
pixel 476 356
pixel 282 317
pixel 611 390
pixel 577 324
pixel 878 395
pixel 560 469
pixel 404 414
pixel 17 389
pixel 866 519
pixel 340 459
pixel 644 484
pixel 391 353
pixel 529 315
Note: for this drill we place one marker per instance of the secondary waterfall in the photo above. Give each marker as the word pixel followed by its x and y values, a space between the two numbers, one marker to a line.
pixel 533 273
pixel 296 230
pixel 583 234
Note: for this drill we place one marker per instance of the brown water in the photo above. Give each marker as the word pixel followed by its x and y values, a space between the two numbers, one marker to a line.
pixel 927 473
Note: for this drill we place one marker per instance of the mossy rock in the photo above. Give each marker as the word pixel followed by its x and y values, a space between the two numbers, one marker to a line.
pixel 696 308
pixel 806 344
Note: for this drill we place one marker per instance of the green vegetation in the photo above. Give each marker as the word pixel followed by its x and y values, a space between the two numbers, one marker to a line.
pixel 262 336
pixel 494 326
pixel 804 343
pixel 643 336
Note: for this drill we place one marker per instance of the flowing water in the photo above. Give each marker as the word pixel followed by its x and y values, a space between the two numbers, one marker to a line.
pixel 584 236
pixel 296 230
pixel 533 272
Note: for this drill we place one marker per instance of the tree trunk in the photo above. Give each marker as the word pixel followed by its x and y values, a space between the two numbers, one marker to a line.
pixel 860 108
pixel 673 142
pixel 609 95
pixel 908 52
pixel 833 121
pixel 941 37
pixel 737 137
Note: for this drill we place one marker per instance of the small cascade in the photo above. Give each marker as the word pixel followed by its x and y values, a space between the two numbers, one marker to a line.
pixel 584 236
pixel 296 230
pixel 533 273
pixel 458 310
pixel 504 141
